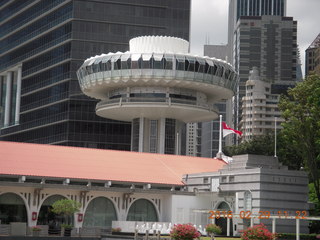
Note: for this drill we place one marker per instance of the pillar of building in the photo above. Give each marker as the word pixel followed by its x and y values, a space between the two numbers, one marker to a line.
pixel 162 135
pixel 141 134
pixel 8 99
pixel 149 135
pixel 18 95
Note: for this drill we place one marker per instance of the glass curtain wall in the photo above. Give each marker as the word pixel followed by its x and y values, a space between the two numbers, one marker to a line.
pixel 100 213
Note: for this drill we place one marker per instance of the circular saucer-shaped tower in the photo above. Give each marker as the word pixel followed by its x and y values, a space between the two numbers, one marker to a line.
pixel 157 85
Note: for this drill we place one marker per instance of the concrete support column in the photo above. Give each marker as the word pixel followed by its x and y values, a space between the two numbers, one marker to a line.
pixel 178 136
pixel 228 226
pixel 297 229
pixel 273 225
pixel 141 134
pixel 8 99
pixel 18 96
pixel 177 143
pixel 162 135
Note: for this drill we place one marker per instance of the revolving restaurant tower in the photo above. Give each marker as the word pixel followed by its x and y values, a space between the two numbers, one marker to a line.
pixel 157 85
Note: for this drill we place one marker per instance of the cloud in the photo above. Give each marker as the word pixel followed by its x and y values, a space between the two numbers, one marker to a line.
pixel 209 21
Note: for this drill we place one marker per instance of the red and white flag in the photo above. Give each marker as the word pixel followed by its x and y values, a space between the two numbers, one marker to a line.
pixel 227 130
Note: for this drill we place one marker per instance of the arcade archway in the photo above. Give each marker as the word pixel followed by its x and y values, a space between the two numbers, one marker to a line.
pixel 142 210
pixel 47 217
pixel 12 208
pixel 100 213
pixel 222 222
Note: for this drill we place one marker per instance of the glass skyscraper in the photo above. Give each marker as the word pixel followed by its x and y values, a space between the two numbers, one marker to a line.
pixel 43 43
pixel 238 8
pixel 260 35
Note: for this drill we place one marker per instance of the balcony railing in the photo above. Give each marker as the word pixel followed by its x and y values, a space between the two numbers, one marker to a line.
pixel 161 100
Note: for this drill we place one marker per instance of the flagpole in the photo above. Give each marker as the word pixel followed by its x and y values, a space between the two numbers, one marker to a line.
pixel 275 137
pixel 219 154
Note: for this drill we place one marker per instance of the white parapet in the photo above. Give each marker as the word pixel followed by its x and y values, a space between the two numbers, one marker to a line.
pixel 158 44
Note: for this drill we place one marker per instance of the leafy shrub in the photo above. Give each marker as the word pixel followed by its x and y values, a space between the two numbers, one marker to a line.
pixel 184 232
pixel 289 236
pixel 36 229
pixel 116 229
pixel 213 229
pixel 66 226
pixel 257 232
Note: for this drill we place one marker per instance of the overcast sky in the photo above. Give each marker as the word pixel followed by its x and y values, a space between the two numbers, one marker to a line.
pixel 210 18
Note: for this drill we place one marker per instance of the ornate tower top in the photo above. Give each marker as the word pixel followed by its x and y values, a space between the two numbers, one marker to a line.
pixel 158 44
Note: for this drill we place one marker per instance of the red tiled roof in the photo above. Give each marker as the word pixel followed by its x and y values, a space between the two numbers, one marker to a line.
pixel 96 164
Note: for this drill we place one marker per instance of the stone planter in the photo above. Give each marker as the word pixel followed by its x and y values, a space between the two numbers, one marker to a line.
pixel 36 233
pixel 67 232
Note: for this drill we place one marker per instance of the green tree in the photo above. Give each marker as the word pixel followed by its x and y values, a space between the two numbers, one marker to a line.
pixel 264 145
pixel 301 129
pixel 261 145
pixel 66 208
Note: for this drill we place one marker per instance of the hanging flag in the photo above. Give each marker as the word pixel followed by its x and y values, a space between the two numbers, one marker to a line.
pixel 227 130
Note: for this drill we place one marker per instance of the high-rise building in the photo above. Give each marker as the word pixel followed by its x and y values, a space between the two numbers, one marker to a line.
pixel 238 8
pixel 260 113
pixel 43 43
pixel 210 130
pixel 259 35
pixel 270 44
pixel 158 85
pixel 216 51
pixel 193 139
pixel 312 63
pixel 207 133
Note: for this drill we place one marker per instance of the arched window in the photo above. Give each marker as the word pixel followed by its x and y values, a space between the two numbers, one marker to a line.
pixel 223 206
pixel 222 222
pixel 47 217
pixel 247 201
pixel 142 210
pixel 12 209
pixel 100 213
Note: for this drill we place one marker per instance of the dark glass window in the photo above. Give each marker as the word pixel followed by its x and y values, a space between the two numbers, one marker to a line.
pixel 170 136
pixel 36 28
pixel 168 62
pixel 47 59
pixel 12 8
pixel 36 46
pixel 135 134
pixel 117 65
pixel 136 64
pixel 190 64
pixel 227 74
pixel 26 15
pixel 146 64
pixel 179 96
pixel 158 63
pixel 105 66
pixel 200 66
pixel 180 63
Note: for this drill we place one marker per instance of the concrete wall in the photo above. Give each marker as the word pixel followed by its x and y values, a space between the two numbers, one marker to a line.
pixel 272 187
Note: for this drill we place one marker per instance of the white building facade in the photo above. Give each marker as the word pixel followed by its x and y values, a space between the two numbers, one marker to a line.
pixel 260 112
pixel 158 86
pixel 142 191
